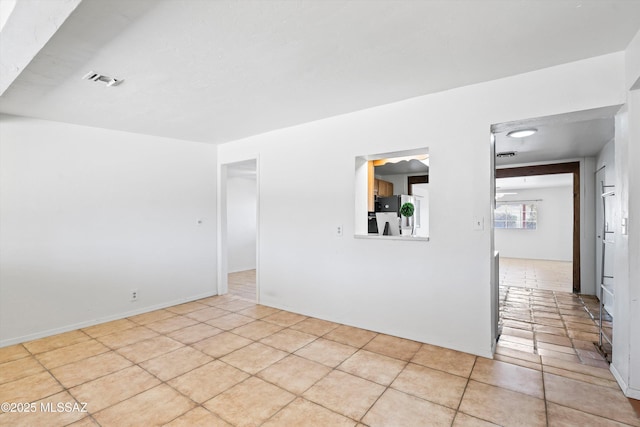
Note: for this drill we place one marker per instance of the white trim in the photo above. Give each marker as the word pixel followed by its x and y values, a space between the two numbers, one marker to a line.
pixel 222 230
pixel 633 393
pixel 75 326
pixel 394 333
pixel 258 269
pixel 628 391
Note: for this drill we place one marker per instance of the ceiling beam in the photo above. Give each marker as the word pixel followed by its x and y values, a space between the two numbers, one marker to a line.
pixel 29 26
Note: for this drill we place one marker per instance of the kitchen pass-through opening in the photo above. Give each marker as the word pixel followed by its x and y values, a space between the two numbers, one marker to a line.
pixel 392 194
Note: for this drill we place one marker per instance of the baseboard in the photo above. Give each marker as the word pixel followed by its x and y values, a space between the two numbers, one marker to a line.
pixel 628 391
pixel 380 330
pixel 93 322
pixel 633 393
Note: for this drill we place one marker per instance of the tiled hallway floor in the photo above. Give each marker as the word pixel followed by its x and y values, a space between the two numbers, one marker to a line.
pixel 552 324
pixel 536 274
pixel 243 284
pixel 225 360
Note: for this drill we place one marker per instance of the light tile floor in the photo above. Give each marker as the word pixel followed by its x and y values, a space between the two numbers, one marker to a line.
pixel 536 274
pixel 541 319
pixel 243 284
pixel 225 360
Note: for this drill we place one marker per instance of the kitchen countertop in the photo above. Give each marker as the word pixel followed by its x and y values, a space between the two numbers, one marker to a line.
pixel 381 237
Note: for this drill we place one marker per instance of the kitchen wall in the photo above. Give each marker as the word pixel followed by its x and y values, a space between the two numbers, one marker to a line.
pixel 400 185
pixel 89 214
pixel 404 288
pixel 241 223
pixel 553 237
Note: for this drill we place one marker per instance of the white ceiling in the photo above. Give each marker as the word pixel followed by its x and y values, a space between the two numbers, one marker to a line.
pixel 563 136
pixel 215 71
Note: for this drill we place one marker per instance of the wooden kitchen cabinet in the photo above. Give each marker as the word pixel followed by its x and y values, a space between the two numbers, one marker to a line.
pixel 383 188
pixel 376 187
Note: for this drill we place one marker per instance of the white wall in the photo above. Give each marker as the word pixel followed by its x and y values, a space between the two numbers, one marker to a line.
pixel 633 78
pixel 404 288
pixel 633 236
pixel 88 214
pixel 553 237
pixel 241 223
pixel 606 159
pixel 626 316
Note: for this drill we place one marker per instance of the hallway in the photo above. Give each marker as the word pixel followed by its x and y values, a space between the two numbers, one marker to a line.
pixel 243 284
pixel 546 328
pixel 550 324
pixel 540 315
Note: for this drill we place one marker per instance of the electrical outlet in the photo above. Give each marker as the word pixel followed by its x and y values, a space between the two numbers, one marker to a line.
pixel 478 223
pixel 134 295
pixel 339 230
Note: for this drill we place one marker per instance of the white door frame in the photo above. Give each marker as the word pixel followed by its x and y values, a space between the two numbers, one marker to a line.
pixel 223 251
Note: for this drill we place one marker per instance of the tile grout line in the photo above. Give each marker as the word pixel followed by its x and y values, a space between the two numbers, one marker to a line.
pixel 533 329
pixel 569 407
pixel 64 389
pixel 165 382
pixel 464 391
pixel 255 375
pixel 387 387
pixel 115 350
pixel 564 328
pixel 68 389
pixel 544 393
pixel 300 395
pixel 201 404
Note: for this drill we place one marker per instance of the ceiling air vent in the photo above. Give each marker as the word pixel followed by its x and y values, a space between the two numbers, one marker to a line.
pixel 97 77
pixel 506 154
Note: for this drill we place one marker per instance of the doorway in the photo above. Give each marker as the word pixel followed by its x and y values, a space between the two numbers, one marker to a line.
pixel 239 230
pixel 533 319
pixel 573 169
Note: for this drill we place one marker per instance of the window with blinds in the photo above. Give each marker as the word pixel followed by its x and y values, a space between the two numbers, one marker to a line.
pixel 516 215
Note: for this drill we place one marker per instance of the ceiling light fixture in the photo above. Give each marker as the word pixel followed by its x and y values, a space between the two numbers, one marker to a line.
pixel 97 77
pixel 522 133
